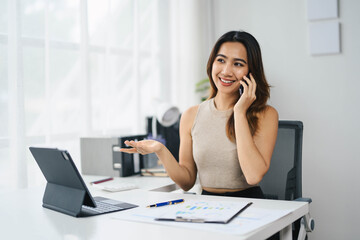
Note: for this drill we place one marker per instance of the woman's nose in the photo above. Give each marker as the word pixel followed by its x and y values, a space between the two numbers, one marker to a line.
pixel 226 71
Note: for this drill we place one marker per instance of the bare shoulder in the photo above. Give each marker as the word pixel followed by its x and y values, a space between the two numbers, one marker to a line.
pixel 188 118
pixel 268 118
pixel 190 113
pixel 270 113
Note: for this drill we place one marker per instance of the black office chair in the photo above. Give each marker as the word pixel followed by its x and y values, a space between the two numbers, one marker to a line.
pixel 283 180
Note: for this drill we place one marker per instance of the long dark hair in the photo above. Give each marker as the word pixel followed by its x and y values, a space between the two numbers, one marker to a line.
pixel 255 68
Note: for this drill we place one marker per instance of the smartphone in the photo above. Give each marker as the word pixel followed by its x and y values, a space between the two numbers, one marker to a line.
pixel 241 89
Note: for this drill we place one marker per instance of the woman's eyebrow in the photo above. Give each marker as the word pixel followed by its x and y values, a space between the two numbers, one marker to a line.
pixel 240 59
pixel 236 59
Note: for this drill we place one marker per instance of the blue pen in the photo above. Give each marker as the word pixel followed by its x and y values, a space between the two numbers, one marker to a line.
pixel 166 203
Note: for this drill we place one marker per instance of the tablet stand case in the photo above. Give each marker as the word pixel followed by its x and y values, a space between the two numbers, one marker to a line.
pixel 65 191
pixel 65 199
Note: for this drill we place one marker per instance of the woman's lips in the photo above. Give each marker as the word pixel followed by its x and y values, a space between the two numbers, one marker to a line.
pixel 226 82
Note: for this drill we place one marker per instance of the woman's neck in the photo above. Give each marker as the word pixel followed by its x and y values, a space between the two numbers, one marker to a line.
pixel 224 102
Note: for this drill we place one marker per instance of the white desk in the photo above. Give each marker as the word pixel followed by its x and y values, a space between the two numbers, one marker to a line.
pixel 160 184
pixel 23 217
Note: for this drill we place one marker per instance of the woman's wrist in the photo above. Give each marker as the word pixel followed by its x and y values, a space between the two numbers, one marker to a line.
pixel 239 114
pixel 160 148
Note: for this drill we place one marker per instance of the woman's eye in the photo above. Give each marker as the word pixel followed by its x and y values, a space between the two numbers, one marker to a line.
pixel 220 60
pixel 238 64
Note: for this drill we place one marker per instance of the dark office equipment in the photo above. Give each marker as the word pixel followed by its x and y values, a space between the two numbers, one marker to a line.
pixel 283 181
pixel 169 134
pixel 66 191
pixel 127 164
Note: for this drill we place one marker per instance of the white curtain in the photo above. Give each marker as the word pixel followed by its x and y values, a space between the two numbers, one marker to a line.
pixel 192 34
pixel 91 68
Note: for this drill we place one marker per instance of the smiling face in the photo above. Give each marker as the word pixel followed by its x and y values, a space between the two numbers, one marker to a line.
pixel 229 67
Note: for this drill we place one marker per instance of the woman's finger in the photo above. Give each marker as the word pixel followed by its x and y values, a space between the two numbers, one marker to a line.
pixel 247 84
pixel 128 150
pixel 245 79
pixel 253 83
pixel 131 143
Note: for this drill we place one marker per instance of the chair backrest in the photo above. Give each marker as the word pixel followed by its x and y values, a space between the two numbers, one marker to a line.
pixel 283 180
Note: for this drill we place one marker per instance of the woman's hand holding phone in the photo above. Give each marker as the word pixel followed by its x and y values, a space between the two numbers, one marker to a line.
pixel 247 91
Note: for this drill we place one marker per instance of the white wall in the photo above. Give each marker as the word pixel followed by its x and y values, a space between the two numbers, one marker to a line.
pixel 322 91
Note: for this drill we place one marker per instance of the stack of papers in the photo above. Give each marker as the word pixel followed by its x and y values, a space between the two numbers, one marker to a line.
pixel 247 221
pixel 155 172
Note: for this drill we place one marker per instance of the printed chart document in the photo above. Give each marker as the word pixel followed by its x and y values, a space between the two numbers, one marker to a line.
pixel 250 219
pixel 204 212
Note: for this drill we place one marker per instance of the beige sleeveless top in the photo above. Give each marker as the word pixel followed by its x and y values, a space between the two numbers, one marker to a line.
pixel 214 154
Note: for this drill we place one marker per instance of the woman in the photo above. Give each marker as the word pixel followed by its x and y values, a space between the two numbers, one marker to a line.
pixel 228 139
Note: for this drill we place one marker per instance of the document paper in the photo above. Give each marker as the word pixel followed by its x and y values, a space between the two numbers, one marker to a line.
pixel 207 211
pixel 247 221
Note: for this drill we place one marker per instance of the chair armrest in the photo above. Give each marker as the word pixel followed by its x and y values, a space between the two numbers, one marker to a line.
pixel 307 223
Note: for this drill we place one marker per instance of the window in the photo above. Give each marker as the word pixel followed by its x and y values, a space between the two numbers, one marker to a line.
pixel 81 69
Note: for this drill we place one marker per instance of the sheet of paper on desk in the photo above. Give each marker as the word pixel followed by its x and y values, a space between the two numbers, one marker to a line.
pixel 249 220
pixel 206 211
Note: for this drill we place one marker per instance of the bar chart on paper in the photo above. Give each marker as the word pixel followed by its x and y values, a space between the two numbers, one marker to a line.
pixel 207 211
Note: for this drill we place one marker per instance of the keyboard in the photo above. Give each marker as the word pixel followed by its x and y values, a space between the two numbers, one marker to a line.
pixel 105 205
pixel 102 207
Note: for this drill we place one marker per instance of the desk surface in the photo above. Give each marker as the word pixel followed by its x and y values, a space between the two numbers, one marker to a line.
pixel 159 184
pixel 23 217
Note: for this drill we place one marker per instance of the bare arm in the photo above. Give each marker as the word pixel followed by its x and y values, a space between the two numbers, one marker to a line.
pixel 184 172
pixel 254 152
